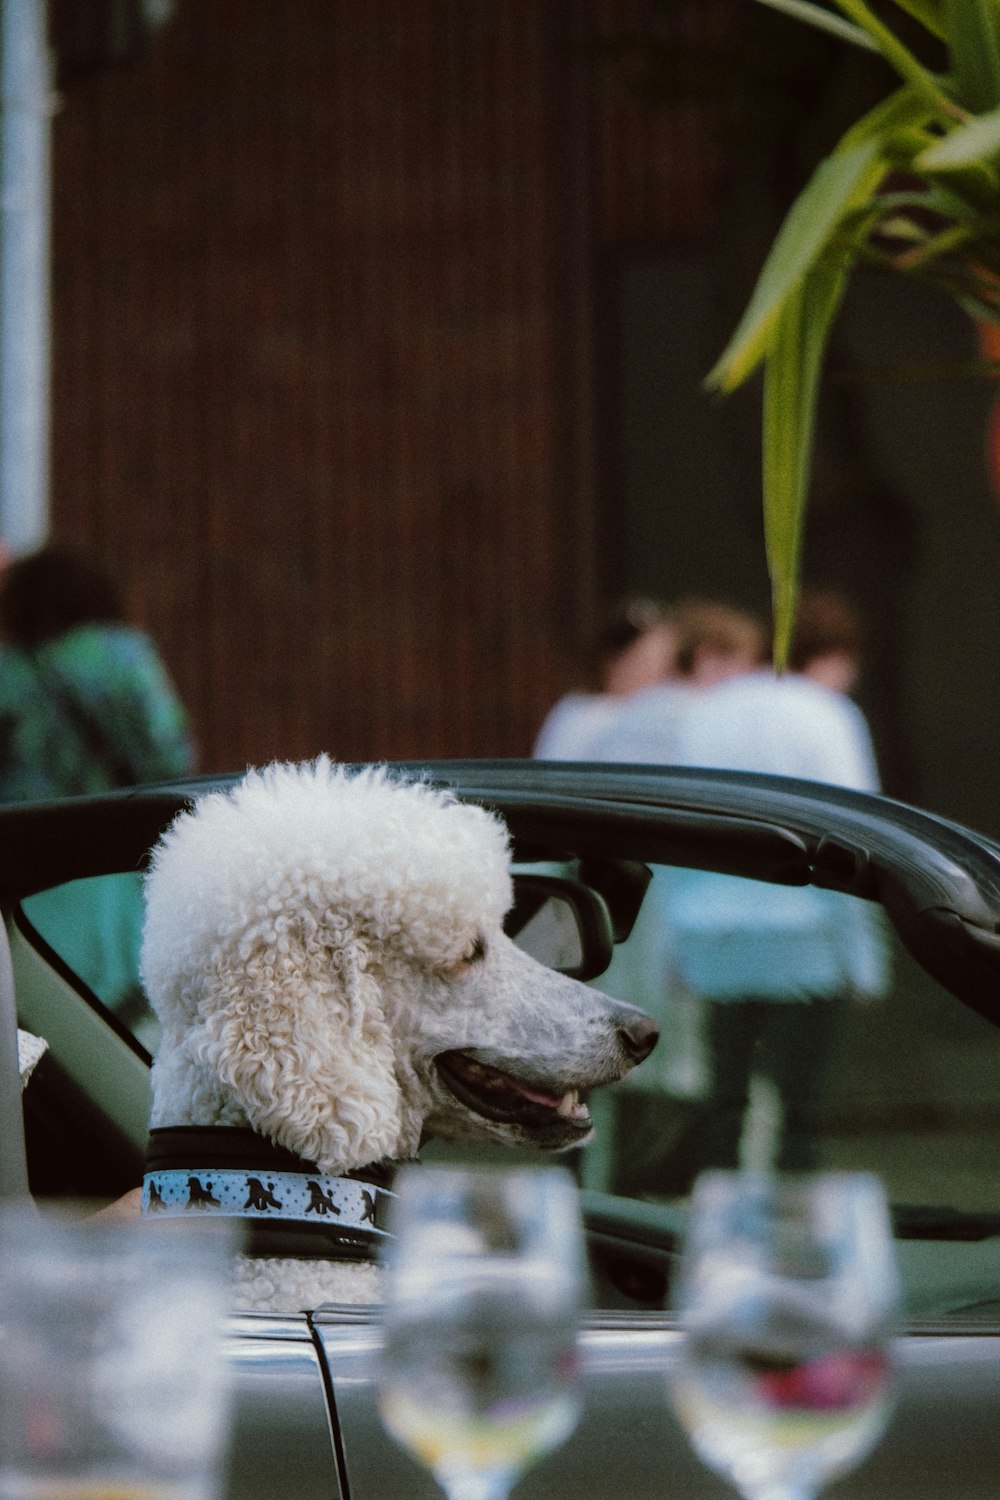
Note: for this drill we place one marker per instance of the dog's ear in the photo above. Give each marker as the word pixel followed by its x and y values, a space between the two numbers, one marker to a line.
pixel 294 1027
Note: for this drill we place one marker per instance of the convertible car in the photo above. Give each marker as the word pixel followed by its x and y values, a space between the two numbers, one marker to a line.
pixel 605 859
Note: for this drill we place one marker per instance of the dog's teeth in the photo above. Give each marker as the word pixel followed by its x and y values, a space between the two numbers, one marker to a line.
pixel 569 1105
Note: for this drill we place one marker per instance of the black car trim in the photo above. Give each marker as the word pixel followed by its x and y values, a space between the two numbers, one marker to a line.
pixel 939 883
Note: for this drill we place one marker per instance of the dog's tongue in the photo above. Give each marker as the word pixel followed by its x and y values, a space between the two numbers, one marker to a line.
pixel 567 1104
pixel 495 1082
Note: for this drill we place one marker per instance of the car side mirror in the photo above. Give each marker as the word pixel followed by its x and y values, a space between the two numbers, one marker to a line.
pixel 562 924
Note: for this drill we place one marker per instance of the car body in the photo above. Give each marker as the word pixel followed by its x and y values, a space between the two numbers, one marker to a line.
pixel 913 1094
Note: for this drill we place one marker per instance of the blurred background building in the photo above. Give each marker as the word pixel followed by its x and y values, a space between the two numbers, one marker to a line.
pixel 377 333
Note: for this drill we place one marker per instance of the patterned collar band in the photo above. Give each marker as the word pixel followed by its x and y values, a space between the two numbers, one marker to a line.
pixel 300 1196
pixel 289 1208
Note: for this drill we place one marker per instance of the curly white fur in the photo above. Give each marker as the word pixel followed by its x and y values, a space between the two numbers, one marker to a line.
pixel 315 940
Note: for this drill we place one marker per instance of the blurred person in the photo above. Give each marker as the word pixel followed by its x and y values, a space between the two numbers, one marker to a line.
pixel 827 641
pixel 773 962
pixel 714 643
pixel 802 723
pixel 635 646
pixel 86 705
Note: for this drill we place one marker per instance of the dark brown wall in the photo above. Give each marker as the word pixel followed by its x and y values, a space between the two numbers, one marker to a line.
pixel 315 391
pixel 365 316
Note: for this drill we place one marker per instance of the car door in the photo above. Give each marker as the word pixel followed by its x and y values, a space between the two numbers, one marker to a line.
pixel 911 1093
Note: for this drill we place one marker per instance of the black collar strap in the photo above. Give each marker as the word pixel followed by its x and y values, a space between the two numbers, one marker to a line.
pixel 289 1208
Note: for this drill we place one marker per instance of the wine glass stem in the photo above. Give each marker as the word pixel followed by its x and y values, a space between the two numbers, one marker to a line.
pixel 782 1492
pixel 478 1487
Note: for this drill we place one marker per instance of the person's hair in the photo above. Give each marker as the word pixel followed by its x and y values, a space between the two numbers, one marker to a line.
pixel 623 624
pixel 706 624
pixel 825 622
pixel 54 589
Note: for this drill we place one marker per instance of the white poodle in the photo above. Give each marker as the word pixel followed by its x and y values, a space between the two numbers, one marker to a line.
pixel 326 955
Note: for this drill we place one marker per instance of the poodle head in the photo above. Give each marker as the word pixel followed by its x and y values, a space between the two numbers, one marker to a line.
pixel 325 951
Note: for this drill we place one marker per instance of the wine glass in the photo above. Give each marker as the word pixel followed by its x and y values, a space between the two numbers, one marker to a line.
pixel 484 1281
pixel 787 1297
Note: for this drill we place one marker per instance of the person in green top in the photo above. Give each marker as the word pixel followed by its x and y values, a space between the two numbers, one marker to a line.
pixel 86 706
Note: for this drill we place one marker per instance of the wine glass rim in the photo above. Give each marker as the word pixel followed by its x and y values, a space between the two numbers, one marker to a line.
pixel 761 1181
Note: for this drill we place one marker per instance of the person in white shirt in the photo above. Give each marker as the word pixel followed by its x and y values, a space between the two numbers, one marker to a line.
pixel 636 646
pixel 773 961
pixel 715 643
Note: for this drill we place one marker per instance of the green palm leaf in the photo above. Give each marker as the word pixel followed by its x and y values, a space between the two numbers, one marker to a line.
pixel 900 57
pixel 903 110
pixel 928 12
pixel 912 188
pixel 823 20
pixel 791 383
pixel 974 50
pixel 966 146
pixel 841 183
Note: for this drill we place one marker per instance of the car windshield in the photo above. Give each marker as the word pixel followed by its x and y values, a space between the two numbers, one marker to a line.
pixel 881 1071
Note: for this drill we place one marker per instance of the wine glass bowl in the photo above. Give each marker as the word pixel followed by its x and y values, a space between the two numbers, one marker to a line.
pixel 787 1297
pixel 484 1279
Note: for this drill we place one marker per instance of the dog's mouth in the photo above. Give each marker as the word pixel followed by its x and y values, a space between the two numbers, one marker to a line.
pixel 500 1096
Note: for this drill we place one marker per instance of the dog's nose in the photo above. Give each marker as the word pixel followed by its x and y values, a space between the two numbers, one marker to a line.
pixel 639 1034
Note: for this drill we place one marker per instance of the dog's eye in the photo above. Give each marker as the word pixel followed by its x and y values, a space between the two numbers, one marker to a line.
pixel 474 954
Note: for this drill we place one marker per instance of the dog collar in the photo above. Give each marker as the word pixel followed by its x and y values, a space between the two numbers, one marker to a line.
pixel 301 1196
pixel 290 1207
